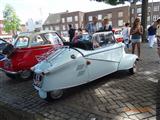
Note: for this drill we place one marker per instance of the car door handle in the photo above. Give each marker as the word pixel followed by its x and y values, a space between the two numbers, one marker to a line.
pixel 73 56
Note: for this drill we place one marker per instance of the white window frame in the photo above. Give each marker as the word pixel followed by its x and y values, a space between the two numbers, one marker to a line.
pixel 69 19
pixel 99 17
pixel 109 15
pixel 76 26
pixel 156 8
pixel 90 18
pixel 76 18
pixel 120 22
pixel 57 28
pixel 120 14
pixel 63 20
pixel 139 10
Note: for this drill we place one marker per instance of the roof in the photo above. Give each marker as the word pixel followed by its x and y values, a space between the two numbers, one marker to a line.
pixel 29 34
pixel 53 19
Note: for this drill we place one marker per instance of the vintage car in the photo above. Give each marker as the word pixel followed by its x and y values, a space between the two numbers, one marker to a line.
pixel 118 35
pixel 76 64
pixel 26 52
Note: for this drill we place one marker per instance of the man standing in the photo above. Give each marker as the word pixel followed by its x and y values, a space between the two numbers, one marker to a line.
pixel 126 34
pixel 92 27
pixel 105 25
pixel 151 34
pixel 71 32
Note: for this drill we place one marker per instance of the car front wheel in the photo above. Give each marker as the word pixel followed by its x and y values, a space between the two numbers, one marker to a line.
pixel 133 70
pixel 53 95
pixel 25 74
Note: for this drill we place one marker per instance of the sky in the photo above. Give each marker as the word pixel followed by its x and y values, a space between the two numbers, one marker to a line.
pixel 40 9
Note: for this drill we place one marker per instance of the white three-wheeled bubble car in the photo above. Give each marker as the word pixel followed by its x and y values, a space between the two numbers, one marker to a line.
pixel 80 63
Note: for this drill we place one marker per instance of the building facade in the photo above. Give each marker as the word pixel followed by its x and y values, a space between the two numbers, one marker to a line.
pixel 117 17
pixel 60 21
pixel 153 12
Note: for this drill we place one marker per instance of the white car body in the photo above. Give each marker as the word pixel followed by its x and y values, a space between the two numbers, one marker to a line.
pixel 70 66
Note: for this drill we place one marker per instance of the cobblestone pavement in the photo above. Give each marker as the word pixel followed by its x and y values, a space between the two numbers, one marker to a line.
pixel 118 96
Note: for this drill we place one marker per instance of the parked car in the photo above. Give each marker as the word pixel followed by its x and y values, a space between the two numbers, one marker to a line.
pixel 75 64
pixel 118 35
pixel 3 44
pixel 29 48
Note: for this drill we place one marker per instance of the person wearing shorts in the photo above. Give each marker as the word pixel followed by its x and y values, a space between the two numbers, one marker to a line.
pixel 136 32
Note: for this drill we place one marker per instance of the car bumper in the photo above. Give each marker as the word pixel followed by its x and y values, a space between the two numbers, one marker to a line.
pixel 9 72
pixel 42 93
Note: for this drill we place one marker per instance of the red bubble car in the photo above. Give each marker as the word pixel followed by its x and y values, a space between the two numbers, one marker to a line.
pixel 28 49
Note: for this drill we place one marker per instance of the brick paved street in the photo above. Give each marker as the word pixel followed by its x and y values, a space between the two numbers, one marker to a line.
pixel 118 96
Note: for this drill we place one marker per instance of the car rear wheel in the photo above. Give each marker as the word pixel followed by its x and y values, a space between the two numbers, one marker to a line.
pixel 133 70
pixel 12 76
pixel 53 95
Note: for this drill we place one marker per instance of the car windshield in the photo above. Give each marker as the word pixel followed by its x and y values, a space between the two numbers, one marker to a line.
pixel 1 42
pixel 22 41
pixel 53 38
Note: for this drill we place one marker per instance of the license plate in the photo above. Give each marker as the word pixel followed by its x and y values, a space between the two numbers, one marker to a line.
pixel 37 78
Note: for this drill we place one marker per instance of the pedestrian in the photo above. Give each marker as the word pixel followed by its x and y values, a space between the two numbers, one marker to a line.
pixel 92 27
pixel 136 33
pixel 78 35
pixel 158 38
pixel 152 34
pixel 71 32
pixel 105 25
pixel 126 35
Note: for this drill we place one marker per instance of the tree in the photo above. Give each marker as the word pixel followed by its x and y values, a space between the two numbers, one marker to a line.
pixel 11 20
pixel 144 11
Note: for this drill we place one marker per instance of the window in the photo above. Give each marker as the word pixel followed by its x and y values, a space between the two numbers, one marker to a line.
pixel 148 18
pixel 22 42
pixel 132 11
pixel 56 28
pixel 149 9
pixel 103 39
pixel 63 20
pixel 109 15
pixel 99 17
pixel 37 41
pixel 76 26
pixel 120 14
pixel 90 18
pixel 69 19
pixel 156 8
pixel 64 27
pixel 76 18
pixel 120 23
pixel 139 10
pixel 155 17
pixel 53 38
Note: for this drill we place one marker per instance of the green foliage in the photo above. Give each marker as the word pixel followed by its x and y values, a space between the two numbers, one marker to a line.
pixel 11 20
pixel 115 2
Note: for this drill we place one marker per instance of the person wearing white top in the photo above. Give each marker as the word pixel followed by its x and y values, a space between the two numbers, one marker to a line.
pixel 126 35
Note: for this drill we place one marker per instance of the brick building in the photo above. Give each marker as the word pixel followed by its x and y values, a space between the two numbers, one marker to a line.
pixel 59 21
pixel 117 16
